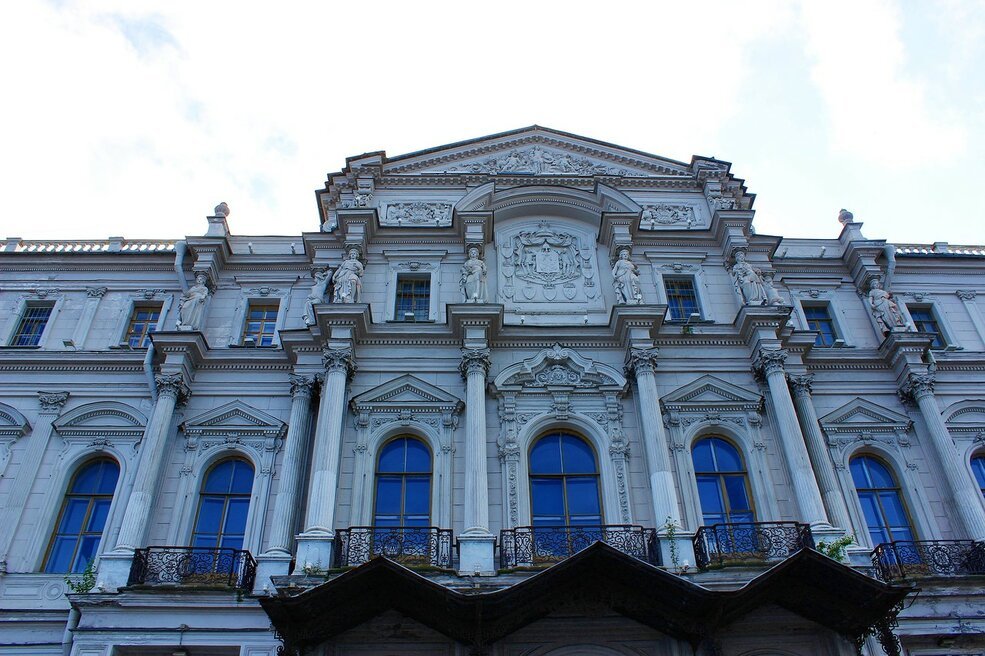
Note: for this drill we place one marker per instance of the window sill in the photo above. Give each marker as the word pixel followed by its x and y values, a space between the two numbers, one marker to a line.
pixel 411 322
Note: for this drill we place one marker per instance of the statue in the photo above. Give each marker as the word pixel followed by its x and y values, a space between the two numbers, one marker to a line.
pixel 626 280
pixel 884 308
pixel 473 280
pixel 772 296
pixel 749 282
pixel 317 294
pixel 191 309
pixel 347 278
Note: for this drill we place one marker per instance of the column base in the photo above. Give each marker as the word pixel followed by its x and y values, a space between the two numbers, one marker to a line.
pixel 314 552
pixel 270 564
pixel 113 571
pixel 685 561
pixel 476 554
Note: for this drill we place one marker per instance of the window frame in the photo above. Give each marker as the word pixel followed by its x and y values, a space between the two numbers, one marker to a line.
pixel 255 305
pixel 942 330
pixel 421 263
pixel 826 306
pixel 403 475
pixel 23 304
pixel 834 312
pixel 200 495
pixel 563 476
pixel 119 336
pixel 681 265
pixel 694 290
pixel 720 479
pixel 412 277
pixel 898 489
pixel 242 316
pixel 137 307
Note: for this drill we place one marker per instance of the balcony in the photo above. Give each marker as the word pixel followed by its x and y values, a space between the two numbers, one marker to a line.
pixel 193 566
pixel 752 543
pixel 426 546
pixel 898 561
pixel 529 546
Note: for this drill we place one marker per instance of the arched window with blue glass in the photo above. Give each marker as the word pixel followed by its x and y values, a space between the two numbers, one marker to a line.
pixel 223 505
pixel 723 483
pixel 879 494
pixel 403 484
pixel 82 518
pixel 978 469
pixel 564 482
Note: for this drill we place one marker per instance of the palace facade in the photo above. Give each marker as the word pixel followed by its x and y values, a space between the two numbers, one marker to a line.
pixel 526 394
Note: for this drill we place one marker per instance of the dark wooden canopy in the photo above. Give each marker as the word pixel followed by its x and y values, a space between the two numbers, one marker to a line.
pixel 807 584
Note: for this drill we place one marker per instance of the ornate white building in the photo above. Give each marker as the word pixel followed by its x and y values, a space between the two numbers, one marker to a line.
pixel 562 387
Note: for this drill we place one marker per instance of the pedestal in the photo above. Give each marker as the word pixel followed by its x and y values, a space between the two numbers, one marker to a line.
pixel 113 571
pixel 477 554
pixel 314 551
pixel 270 565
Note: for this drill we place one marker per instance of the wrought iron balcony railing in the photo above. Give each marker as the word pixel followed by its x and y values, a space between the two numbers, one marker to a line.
pixel 538 545
pixel 897 561
pixel 410 545
pixel 752 542
pixel 230 568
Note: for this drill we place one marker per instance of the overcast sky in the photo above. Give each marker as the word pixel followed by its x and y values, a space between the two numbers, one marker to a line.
pixel 136 118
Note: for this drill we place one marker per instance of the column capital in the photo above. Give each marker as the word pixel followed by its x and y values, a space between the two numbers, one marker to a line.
pixel 52 402
pixel 916 386
pixel 966 294
pixel 338 360
pixel 769 361
pixel 802 386
pixel 172 385
pixel 303 385
pixel 474 360
pixel 641 360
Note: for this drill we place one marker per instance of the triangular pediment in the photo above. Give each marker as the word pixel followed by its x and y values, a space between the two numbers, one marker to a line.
pixel 536 150
pixel 407 391
pixel 860 414
pixel 234 417
pixel 710 391
pixel 101 418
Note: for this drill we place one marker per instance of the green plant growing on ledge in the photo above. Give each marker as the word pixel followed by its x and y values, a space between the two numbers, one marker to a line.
pixel 670 530
pixel 836 549
pixel 84 583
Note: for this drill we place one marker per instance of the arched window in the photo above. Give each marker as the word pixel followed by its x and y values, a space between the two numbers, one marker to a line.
pixel 223 505
pixel 723 486
pixel 564 482
pixel 882 504
pixel 82 517
pixel 403 484
pixel 978 467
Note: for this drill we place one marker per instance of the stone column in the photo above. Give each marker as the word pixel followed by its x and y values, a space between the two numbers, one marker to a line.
pixel 968 299
pixel 769 365
pixel 315 543
pixel 817 449
pixel 51 407
pixel 476 542
pixel 964 495
pixel 114 567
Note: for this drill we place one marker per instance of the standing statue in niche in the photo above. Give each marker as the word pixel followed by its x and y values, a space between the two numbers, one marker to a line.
pixel 749 282
pixel 473 280
pixel 626 280
pixel 772 296
pixel 348 279
pixel 884 308
pixel 191 309
pixel 317 294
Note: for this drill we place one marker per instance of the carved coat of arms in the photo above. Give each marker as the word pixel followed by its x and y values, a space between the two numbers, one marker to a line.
pixel 546 264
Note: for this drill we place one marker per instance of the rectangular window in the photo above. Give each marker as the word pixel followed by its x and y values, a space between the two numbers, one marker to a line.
pixel 926 322
pixel 819 319
pixel 261 322
pixel 32 324
pixel 681 298
pixel 143 322
pixel 413 298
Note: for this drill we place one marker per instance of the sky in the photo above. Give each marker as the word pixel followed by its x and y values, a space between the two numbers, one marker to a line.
pixel 132 118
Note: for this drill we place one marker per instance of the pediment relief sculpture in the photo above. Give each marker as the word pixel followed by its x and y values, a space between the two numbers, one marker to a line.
pixel 538 160
pixel 417 214
pixel 559 367
pixel 667 214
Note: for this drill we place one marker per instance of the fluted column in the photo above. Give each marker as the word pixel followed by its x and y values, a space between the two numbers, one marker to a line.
pixel 642 363
pixel 769 365
pixel 817 449
pixel 964 495
pixel 171 389
pixel 474 368
pixel 287 502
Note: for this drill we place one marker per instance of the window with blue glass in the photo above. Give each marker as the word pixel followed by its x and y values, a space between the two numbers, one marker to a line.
pixel 413 298
pixel 261 323
pixel 143 323
pixel 32 324
pixel 223 505
pixel 926 322
pixel 723 483
pixel 882 504
pixel 564 482
pixel 978 468
pixel 682 300
pixel 403 484
pixel 819 319
pixel 82 519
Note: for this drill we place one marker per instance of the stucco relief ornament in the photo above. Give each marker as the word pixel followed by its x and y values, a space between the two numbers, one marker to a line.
pixel 418 214
pixel 302 385
pixel 191 310
pixel 172 385
pixel 641 360
pixel 884 308
pixel 348 279
pixel 473 280
pixel 52 402
pixel 336 360
pixel 664 214
pixel 322 277
pixel 539 161
pixel 547 259
pixel 769 361
pixel 626 280
pixel 748 281
pixel 474 361
pixel 916 386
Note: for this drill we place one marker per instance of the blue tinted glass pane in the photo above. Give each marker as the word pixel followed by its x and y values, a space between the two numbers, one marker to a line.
pixel 870 510
pixel 230 542
pixel 60 558
pixel 892 507
pixel 392 457
pixel 577 456
pixel 902 533
pixel 418 496
pixel 205 540
pixel 97 515
pixel 74 515
pixel 209 515
pixel 236 516
pixel 735 488
pixel 388 496
pixel 418 456
pixel 583 496
pixel 87 480
pixel 242 477
pixel 878 474
pixel 87 552
pixel 701 454
pixel 859 475
pixel 727 457
pixel 548 498
pixel 978 466
pixel 219 478
pixel 417 520
pixel 741 517
pixel 709 495
pixel 545 457
pixel 109 472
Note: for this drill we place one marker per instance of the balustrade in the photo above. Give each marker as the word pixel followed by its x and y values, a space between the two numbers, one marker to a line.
pixel 539 545
pixel 751 542
pixel 897 561
pixel 225 567
pixel 410 545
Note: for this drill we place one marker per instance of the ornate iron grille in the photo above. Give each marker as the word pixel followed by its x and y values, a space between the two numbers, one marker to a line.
pixel 538 545
pixel 193 566
pixel 895 561
pixel 410 545
pixel 722 544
